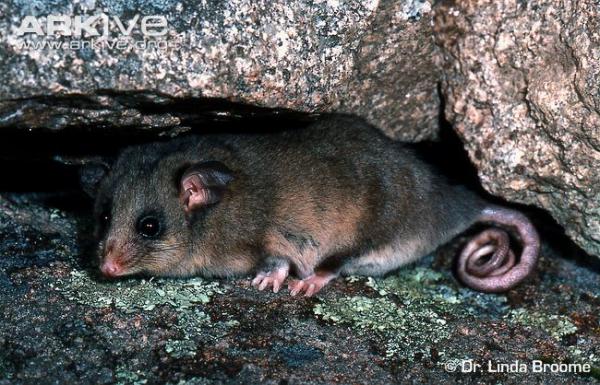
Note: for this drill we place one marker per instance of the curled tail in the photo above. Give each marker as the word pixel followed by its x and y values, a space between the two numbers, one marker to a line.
pixel 501 271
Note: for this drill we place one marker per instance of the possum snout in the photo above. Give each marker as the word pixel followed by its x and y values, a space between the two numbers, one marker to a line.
pixel 114 259
pixel 111 268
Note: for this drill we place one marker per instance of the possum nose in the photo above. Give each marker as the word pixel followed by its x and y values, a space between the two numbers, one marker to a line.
pixel 110 268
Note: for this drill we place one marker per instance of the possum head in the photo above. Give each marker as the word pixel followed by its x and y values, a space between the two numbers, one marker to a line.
pixel 145 207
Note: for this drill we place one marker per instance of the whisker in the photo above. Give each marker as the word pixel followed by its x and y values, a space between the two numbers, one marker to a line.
pixel 170 246
pixel 158 250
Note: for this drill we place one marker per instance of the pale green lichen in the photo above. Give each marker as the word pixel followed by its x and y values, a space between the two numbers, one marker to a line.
pixel 406 330
pixel 190 324
pixel 125 376
pixel 195 381
pixel 180 348
pixel 587 356
pixel 409 316
pixel 557 326
pixel 427 288
pixel 193 322
pixel 417 284
pixel 6 369
pixel 135 294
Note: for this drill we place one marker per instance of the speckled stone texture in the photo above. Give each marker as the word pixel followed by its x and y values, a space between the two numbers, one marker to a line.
pixel 521 86
pixel 321 56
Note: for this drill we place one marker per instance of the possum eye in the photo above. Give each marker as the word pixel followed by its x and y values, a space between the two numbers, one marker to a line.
pixel 149 226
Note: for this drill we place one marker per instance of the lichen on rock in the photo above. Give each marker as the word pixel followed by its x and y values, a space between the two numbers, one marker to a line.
pixel 406 331
pixel 124 376
pixel 555 325
pixel 133 295
pixel 409 313
pixel 180 348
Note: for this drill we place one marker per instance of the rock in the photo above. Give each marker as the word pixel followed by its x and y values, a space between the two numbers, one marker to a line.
pixel 307 56
pixel 521 86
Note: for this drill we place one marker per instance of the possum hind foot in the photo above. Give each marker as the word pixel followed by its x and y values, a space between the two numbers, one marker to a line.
pixel 311 284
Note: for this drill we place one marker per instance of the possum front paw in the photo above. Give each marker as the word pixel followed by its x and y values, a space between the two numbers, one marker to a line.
pixel 272 273
pixel 312 284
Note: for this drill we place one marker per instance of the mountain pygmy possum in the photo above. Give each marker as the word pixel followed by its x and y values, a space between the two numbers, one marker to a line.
pixel 337 197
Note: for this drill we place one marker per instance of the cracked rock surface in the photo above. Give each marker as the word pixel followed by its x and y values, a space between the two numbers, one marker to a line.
pixel 521 86
pixel 313 57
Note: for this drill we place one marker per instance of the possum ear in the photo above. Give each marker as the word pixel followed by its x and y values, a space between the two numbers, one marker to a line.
pixel 203 184
pixel 91 171
pixel 90 176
